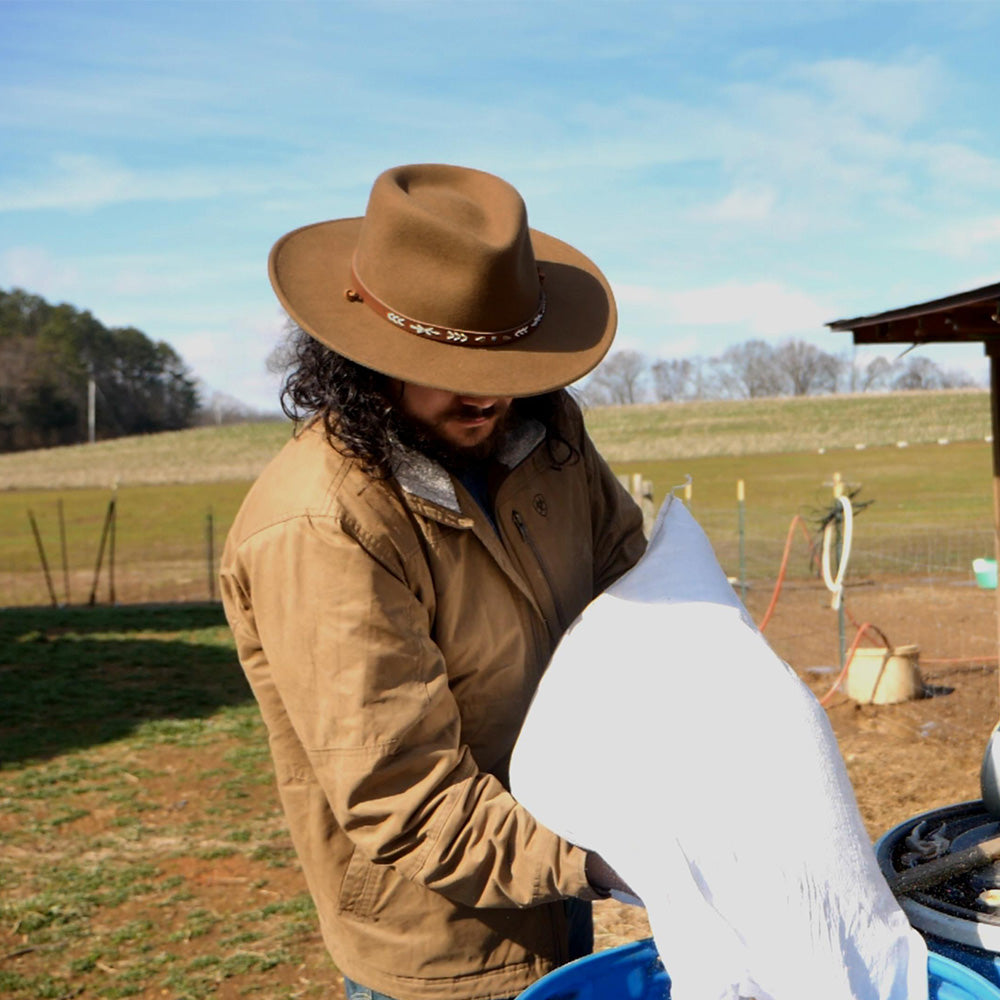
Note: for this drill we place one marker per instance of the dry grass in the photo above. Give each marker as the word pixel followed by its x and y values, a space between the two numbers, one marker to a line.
pixel 657 432
pixel 665 431
pixel 235 452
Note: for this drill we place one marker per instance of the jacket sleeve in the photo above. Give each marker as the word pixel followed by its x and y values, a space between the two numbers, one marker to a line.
pixel 350 663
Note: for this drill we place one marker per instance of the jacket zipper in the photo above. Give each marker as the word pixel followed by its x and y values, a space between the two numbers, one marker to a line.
pixel 522 530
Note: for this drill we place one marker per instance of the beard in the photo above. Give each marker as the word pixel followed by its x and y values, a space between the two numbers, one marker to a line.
pixel 456 458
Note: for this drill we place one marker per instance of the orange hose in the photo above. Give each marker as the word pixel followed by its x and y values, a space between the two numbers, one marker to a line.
pixel 862 629
pixel 784 566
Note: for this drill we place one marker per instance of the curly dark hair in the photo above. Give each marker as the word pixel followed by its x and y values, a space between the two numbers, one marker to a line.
pixel 359 415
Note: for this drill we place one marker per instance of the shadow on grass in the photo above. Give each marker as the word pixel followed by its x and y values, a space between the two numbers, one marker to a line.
pixel 76 677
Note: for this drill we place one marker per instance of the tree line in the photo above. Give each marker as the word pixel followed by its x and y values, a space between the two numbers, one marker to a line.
pixel 50 355
pixel 757 369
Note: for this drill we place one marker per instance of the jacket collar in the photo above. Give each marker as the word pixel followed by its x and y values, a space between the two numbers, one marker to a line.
pixel 422 477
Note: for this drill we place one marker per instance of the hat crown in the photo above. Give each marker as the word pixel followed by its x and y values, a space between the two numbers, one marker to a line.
pixel 448 246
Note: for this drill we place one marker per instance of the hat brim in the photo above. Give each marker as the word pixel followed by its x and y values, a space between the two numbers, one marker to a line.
pixel 310 272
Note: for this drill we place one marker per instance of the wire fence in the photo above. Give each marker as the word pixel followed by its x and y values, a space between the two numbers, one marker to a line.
pixel 913 583
pixel 113 564
pixel 907 551
pixel 132 562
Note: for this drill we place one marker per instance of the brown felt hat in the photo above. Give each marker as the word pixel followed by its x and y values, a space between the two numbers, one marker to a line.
pixel 442 283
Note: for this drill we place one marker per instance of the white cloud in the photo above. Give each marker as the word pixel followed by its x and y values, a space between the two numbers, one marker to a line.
pixel 959 166
pixel 966 238
pixel 816 148
pixel 763 309
pixel 230 356
pixel 34 269
pixel 84 182
pixel 740 205
pixel 895 95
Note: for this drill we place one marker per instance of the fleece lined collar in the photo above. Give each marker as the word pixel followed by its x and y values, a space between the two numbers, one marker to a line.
pixel 423 477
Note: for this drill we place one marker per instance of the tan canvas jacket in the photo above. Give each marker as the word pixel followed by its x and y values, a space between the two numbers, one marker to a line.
pixel 393 639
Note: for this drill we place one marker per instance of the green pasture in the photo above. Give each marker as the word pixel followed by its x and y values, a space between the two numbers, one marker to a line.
pixel 785 450
pixel 154 523
pixel 929 507
pixel 944 490
pixel 140 669
pixel 944 487
pixel 165 538
pixel 132 758
pixel 233 452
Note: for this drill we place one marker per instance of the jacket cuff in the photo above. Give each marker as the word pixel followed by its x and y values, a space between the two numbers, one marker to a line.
pixel 578 873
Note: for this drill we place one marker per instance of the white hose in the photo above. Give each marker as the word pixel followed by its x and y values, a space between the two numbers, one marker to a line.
pixel 835 584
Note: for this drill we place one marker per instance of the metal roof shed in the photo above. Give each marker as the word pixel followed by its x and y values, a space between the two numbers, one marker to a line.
pixel 966 317
pixel 962 318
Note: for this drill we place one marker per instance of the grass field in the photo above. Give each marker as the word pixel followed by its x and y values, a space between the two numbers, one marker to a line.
pixel 234 452
pixel 664 432
pixel 802 424
pixel 136 804
pixel 785 450
pixel 170 483
pixel 929 496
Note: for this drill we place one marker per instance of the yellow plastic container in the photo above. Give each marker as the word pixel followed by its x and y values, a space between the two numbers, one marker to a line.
pixel 880 676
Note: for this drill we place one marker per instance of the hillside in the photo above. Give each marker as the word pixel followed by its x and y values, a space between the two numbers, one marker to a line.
pixel 788 424
pixel 650 432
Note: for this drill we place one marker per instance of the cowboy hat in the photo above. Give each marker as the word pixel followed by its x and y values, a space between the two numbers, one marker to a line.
pixel 442 283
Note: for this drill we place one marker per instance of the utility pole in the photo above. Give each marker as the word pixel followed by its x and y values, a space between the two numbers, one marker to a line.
pixel 91 409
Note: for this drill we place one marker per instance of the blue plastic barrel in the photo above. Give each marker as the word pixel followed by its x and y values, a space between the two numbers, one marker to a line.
pixel 635 972
pixel 956 932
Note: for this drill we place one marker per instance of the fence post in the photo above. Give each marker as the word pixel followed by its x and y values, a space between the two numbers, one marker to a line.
pixel 62 545
pixel 210 552
pixel 41 556
pixel 108 518
pixel 111 548
pixel 641 491
pixel 741 507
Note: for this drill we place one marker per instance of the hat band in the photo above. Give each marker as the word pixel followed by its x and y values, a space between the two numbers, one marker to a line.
pixel 443 334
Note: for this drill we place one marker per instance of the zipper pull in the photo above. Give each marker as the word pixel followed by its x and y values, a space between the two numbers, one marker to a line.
pixel 522 530
pixel 519 524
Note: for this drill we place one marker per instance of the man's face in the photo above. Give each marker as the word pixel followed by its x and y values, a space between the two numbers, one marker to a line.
pixel 466 426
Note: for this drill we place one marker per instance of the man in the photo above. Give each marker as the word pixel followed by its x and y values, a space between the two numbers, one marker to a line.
pixel 399 575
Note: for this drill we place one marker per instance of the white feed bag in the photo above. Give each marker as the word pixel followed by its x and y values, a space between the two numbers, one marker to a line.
pixel 668 737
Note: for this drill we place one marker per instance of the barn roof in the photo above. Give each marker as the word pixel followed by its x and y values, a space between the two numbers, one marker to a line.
pixel 965 317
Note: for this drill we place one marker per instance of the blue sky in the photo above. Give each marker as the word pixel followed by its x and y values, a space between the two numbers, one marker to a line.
pixel 738 170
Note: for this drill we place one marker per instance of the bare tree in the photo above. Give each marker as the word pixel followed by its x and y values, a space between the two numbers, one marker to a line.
pixel 618 380
pixel 749 371
pixel 922 373
pixel 875 375
pixel 756 369
pixel 955 378
pixel 807 369
pixel 677 378
pixel 917 373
